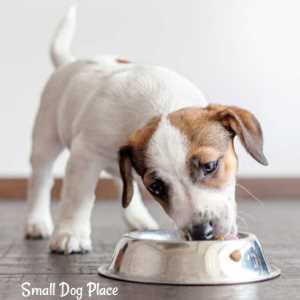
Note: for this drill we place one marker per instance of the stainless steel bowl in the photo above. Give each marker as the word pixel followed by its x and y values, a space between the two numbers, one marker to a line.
pixel 164 257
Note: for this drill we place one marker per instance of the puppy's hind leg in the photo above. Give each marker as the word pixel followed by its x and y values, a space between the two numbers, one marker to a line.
pixel 72 231
pixel 45 149
pixel 136 215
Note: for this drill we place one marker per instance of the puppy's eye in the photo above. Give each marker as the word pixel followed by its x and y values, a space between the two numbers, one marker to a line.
pixel 210 167
pixel 158 188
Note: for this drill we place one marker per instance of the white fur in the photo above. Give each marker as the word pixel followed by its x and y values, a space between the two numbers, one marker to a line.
pixel 91 106
pixel 60 47
pixel 189 202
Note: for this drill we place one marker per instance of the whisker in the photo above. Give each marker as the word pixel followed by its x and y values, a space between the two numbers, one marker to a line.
pixel 243 221
pixel 247 215
pixel 250 194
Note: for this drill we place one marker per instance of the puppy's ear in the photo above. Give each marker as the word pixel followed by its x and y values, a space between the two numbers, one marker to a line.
pixel 125 166
pixel 245 125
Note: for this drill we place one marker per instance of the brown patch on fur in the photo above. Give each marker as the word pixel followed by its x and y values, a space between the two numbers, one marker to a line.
pixel 210 133
pixel 148 179
pixel 201 128
pixel 138 142
pixel 243 124
pixel 205 154
pixel 125 166
pixel 142 135
pixel 226 170
pixel 133 155
pixel 209 141
pixel 165 205
pixel 122 61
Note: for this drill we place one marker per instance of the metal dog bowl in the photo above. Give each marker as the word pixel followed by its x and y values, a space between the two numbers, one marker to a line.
pixel 163 257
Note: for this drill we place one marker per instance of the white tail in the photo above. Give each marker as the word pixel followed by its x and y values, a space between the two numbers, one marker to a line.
pixel 61 42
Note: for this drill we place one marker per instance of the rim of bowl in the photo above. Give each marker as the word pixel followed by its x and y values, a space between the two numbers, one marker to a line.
pixel 134 235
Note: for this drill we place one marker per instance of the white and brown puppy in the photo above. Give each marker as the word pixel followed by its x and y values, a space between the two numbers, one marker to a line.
pixel 134 121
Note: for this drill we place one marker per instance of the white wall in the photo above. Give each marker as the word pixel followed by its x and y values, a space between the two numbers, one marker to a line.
pixel 239 52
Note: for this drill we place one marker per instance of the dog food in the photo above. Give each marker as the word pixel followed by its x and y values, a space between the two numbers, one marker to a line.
pixel 227 237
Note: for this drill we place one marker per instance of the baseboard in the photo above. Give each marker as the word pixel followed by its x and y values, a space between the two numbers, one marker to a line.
pixel 262 188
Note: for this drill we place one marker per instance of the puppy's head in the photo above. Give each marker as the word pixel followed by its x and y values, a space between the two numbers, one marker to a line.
pixel 187 162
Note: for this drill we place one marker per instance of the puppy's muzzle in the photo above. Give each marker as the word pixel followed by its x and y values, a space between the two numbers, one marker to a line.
pixel 201 231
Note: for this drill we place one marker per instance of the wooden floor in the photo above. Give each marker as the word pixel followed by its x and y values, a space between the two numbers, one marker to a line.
pixel 276 223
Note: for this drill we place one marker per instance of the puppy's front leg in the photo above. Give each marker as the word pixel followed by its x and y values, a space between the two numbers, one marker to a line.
pixel 136 215
pixel 72 232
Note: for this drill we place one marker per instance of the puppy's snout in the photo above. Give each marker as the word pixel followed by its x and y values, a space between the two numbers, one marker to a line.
pixel 202 231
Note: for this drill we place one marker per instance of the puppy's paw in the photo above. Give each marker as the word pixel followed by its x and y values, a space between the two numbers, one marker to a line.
pixel 68 243
pixel 38 228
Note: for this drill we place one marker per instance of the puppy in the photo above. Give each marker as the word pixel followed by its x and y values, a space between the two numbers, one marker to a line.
pixel 135 122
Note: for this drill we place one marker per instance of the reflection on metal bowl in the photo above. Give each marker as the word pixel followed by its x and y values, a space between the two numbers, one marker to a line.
pixel 164 257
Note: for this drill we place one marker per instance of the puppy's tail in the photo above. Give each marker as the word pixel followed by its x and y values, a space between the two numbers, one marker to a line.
pixel 61 42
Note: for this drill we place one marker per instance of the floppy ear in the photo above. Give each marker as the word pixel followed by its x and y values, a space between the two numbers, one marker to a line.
pixel 245 125
pixel 126 174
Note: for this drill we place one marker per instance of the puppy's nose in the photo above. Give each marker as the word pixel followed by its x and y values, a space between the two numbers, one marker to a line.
pixel 203 231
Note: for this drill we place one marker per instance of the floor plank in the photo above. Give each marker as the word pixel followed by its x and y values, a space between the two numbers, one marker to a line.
pixel 276 223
